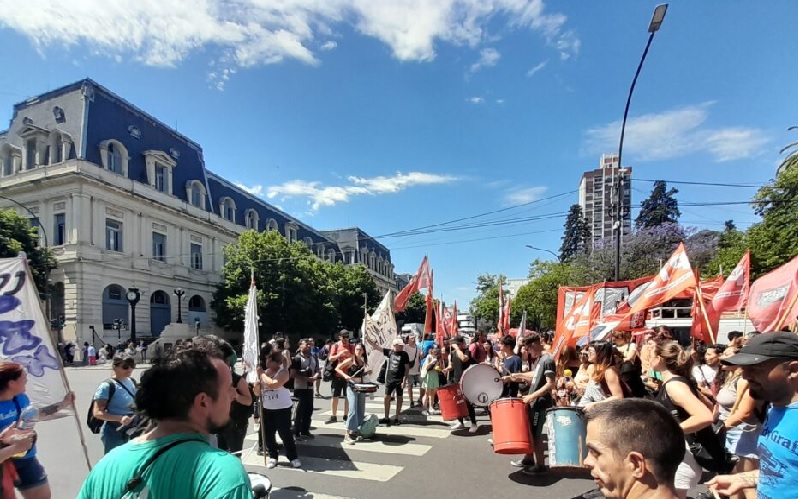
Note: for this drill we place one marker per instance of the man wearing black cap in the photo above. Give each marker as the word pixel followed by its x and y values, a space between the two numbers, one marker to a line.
pixel 770 365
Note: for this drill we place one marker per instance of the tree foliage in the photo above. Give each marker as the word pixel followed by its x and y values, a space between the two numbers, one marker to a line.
pixel 661 207
pixel 298 294
pixel 415 310
pixel 16 234
pixel 485 306
pixel 576 235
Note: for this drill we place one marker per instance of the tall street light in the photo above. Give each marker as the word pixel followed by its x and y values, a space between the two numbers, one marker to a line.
pixel 653 27
pixel 179 292
pixel 543 249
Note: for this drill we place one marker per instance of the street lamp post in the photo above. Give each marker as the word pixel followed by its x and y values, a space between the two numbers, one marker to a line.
pixel 653 27
pixel 133 296
pixel 179 292
pixel 555 255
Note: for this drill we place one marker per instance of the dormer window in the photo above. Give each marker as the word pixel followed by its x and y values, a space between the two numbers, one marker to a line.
pixel 227 209
pixel 159 170
pixel 272 225
pixel 252 219
pixel 10 160
pixel 195 193
pixel 113 155
pixel 290 232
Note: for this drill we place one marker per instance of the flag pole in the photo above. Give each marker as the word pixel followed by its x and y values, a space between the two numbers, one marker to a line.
pixel 700 297
pixel 787 312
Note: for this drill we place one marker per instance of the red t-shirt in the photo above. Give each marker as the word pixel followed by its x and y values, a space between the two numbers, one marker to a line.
pixel 334 351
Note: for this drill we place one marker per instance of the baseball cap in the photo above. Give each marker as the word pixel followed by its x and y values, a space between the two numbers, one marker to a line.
pixel 766 346
pixel 397 341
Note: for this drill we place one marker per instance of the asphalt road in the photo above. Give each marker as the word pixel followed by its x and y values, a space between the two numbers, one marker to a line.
pixel 418 459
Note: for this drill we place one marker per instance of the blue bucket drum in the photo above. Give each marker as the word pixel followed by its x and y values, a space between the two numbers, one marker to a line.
pixel 566 429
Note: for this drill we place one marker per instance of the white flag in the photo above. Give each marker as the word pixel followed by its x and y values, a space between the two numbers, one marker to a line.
pixel 25 335
pixel 381 328
pixel 250 353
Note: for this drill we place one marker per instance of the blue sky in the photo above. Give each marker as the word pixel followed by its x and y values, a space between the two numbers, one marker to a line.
pixel 393 115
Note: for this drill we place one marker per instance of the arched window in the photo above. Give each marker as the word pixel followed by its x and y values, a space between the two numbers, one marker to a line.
pixel 113 155
pixel 272 225
pixel 114 305
pixel 196 304
pixel 309 243
pixel 252 219
pixel 227 209
pixel 290 232
pixel 195 192
pixel 331 255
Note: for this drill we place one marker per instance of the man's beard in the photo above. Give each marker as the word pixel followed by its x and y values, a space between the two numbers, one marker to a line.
pixel 212 428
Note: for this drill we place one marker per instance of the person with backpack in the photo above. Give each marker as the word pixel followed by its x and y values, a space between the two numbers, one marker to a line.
pixel 113 405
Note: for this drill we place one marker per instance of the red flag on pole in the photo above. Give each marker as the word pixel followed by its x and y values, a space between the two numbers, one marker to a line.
pixel 500 325
pixel 421 280
pixel 674 277
pixel 772 300
pixel 430 307
pixel 733 294
pixel 455 326
pixel 576 324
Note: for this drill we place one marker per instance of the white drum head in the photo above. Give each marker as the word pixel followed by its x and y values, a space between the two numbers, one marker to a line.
pixel 256 479
pixel 481 385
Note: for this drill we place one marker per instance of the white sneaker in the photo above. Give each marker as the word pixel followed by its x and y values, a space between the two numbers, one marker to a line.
pixel 296 463
pixel 271 463
pixel 474 428
pixel 458 426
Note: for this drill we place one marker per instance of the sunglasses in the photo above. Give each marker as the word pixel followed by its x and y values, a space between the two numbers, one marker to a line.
pixel 127 365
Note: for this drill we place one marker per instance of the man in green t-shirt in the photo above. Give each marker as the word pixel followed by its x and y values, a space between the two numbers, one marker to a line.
pixel 189 396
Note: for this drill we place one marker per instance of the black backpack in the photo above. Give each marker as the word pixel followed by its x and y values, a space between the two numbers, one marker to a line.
pixel 93 423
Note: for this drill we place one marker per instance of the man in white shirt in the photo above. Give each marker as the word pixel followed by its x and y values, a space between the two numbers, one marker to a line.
pixel 414 372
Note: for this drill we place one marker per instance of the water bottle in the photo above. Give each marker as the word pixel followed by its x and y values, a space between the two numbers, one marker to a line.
pixel 28 418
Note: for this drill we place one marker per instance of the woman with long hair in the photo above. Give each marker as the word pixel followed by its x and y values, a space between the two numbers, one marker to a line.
pixel 32 479
pixel 585 372
pixel 680 395
pixel 605 382
pixel 277 406
pixel 431 380
pixel 114 402
pixel 354 370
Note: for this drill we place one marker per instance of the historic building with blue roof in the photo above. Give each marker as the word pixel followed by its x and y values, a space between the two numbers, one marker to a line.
pixel 125 201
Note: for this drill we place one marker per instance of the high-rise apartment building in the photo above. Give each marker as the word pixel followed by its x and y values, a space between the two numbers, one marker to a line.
pixel 598 197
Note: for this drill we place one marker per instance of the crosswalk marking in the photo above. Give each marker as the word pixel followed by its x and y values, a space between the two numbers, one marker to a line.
pixel 301 494
pixel 376 445
pixel 334 467
pixel 405 430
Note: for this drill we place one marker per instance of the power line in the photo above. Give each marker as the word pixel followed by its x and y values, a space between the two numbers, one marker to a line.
pixel 710 184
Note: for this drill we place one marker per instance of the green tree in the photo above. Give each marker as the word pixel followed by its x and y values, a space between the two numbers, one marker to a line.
pixel 485 306
pixel 660 207
pixel 732 245
pixel 298 294
pixel 416 310
pixel 16 234
pixel 576 236
pixel 774 240
pixel 539 296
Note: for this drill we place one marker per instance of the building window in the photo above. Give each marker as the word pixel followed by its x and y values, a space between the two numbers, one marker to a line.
pixel 290 233
pixel 272 224
pixel 159 246
pixel 114 158
pixel 196 256
pixel 59 149
pixel 252 219
pixel 196 196
pixel 113 235
pixel 161 178
pixel 59 222
pixel 227 209
pixel 30 154
pixel 8 165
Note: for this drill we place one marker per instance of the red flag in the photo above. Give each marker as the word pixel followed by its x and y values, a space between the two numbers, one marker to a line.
pixel 421 280
pixel 505 327
pixel 440 330
pixel 673 278
pixel 575 325
pixel 731 297
pixel 455 325
pixel 771 302
pixel 430 307
pixel 706 319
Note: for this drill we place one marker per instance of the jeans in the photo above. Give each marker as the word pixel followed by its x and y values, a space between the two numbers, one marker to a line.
pixel 112 438
pixel 304 411
pixel 278 421
pixel 357 409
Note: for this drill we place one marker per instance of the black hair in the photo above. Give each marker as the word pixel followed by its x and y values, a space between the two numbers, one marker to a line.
pixel 212 346
pixel 733 335
pixel 168 389
pixel 626 426
pixel 265 351
pixel 508 341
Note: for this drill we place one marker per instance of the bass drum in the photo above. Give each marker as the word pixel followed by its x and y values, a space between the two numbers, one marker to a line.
pixel 481 385
pixel 261 486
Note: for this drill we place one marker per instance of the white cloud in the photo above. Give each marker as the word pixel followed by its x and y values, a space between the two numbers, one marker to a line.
pixel 676 133
pixel 522 195
pixel 244 33
pixel 319 195
pixel 476 100
pixel 329 45
pixel 487 58
pixel 255 190
pixel 500 101
pixel 537 68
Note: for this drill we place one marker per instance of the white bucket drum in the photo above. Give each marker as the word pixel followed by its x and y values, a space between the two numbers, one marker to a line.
pixel 261 486
pixel 481 385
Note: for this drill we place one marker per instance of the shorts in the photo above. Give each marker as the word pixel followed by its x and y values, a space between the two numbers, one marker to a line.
pixel 688 474
pixel 338 387
pixel 31 473
pixel 537 420
pixel 413 380
pixel 394 386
